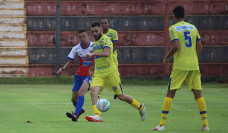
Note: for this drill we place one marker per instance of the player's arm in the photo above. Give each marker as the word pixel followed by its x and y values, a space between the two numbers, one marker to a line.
pixel 91 71
pixel 198 44
pixel 198 48
pixel 70 62
pixel 173 50
pixel 71 57
pixel 100 54
pixel 115 40
pixel 114 45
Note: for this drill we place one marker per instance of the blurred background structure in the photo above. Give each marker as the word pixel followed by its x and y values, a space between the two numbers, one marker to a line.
pixel 13 41
pixel 28 34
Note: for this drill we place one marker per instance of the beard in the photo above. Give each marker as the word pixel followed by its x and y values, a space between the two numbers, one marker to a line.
pixel 104 28
pixel 97 37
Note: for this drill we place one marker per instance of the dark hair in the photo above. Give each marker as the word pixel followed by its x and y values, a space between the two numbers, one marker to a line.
pixel 96 24
pixel 82 30
pixel 178 12
pixel 104 19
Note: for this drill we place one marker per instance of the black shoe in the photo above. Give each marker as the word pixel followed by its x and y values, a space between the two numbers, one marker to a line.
pixel 72 116
pixel 115 97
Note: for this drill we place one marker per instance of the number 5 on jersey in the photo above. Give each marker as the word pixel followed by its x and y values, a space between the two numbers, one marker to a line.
pixel 188 38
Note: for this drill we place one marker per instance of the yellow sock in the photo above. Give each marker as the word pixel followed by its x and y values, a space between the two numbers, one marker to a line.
pixel 96 111
pixel 165 110
pixel 137 105
pixel 202 108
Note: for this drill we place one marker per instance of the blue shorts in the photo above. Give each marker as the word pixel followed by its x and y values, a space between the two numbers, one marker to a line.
pixel 78 81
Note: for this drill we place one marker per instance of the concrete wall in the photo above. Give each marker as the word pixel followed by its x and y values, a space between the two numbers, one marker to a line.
pixel 142 28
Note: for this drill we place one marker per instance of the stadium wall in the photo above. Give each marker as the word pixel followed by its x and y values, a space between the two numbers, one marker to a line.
pixel 142 28
pixel 13 41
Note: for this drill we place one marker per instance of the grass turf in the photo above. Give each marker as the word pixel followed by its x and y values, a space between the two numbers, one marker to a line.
pixel 45 106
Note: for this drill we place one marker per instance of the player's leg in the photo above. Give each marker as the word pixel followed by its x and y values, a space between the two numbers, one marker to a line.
pixel 202 108
pixel 165 109
pixel 100 93
pixel 78 80
pixel 117 64
pixel 94 97
pixel 133 102
pixel 81 93
pixel 74 98
pixel 74 101
pixel 96 85
pixel 76 87
pixel 194 84
pixel 80 102
pixel 113 83
pixel 176 80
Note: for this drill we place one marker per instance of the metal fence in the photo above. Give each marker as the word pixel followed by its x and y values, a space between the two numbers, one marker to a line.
pixel 37 36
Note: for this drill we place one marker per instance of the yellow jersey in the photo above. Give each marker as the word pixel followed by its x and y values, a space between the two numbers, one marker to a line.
pixel 185 57
pixel 112 34
pixel 103 65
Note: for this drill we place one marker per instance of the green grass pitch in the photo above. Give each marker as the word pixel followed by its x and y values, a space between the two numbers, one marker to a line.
pixel 45 106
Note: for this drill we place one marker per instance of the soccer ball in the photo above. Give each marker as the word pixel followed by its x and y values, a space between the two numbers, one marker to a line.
pixel 103 105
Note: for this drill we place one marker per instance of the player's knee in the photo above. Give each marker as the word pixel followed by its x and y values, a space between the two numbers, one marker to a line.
pixel 93 92
pixel 121 97
pixel 81 92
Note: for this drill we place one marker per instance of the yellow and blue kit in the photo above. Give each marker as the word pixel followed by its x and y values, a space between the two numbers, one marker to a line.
pixel 185 66
pixel 112 34
pixel 106 72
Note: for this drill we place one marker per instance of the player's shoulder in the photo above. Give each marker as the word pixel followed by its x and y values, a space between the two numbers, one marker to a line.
pixel 104 37
pixel 101 40
pixel 91 44
pixel 172 27
pixel 180 26
pixel 76 46
pixel 191 26
pixel 176 25
pixel 112 30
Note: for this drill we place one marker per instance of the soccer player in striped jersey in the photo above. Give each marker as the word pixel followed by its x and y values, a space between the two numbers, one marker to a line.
pixel 82 78
pixel 106 73
pixel 186 48
pixel 113 35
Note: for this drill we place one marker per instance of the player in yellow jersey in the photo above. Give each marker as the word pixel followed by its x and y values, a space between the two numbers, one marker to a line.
pixel 106 73
pixel 186 48
pixel 113 35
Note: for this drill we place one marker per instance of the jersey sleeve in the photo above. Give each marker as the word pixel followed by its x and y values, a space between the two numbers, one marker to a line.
pixel 72 54
pixel 173 34
pixel 107 43
pixel 198 38
pixel 115 36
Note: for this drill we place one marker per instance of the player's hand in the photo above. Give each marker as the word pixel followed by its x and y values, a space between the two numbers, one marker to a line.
pixel 60 70
pixel 166 60
pixel 89 55
pixel 91 74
